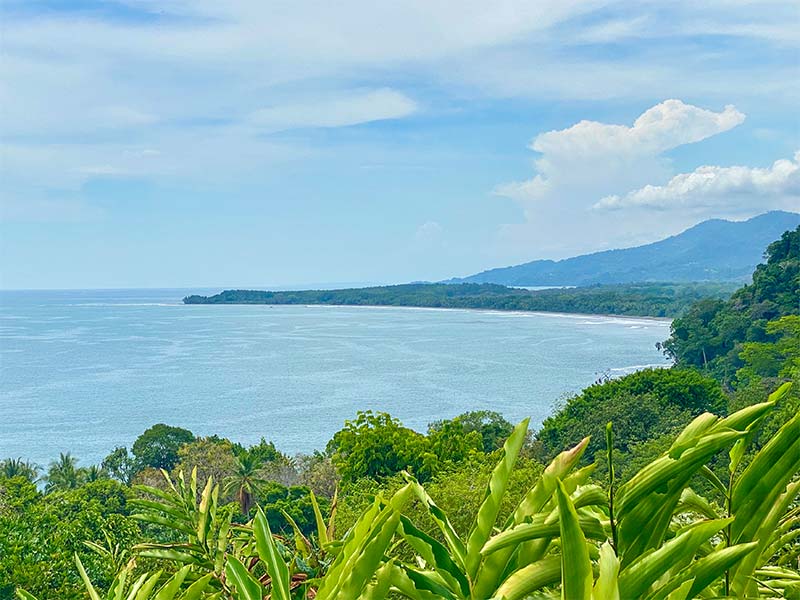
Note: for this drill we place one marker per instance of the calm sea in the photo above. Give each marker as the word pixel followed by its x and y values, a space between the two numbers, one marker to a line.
pixel 86 371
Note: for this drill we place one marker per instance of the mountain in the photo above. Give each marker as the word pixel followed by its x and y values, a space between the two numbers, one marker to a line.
pixel 714 250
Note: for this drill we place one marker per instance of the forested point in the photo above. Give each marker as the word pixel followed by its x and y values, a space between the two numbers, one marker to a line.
pixel 643 299
pixel 666 483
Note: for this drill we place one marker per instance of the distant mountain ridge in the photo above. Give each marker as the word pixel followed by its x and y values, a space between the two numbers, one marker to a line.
pixel 714 250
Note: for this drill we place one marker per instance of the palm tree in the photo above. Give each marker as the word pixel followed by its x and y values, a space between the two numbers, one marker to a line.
pixel 16 467
pixel 93 473
pixel 63 474
pixel 245 481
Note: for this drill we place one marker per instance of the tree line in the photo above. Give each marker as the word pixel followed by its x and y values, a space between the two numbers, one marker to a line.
pixel 641 299
pixel 666 483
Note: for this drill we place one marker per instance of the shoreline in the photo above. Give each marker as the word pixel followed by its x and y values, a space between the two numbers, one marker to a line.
pixel 444 308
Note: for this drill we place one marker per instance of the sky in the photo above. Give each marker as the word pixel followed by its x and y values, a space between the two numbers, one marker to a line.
pixel 254 143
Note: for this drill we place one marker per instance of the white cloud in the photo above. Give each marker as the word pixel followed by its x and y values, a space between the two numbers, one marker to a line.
pixel 732 189
pixel 201 80
pixel 662 127
pixel 74 72
pixel 591 160
pixel 338 110
pixel 594 151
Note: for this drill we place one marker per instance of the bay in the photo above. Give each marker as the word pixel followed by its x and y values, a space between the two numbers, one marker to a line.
pixel 87 370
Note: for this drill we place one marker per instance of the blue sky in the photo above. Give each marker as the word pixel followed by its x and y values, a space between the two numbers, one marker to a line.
pixel 248 143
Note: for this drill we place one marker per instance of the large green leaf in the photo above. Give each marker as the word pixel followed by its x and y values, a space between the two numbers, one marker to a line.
pixel 645 504
pixel 142 588
pixel 457 548
pixel 497 564
pixel 246 586
pixel 576 568
pixel 170 589
pixel 540 528
pixel 558 469
pixel 764 479
pixel 535 576
pixel 487 513
pixel 203 511
pixel 88 582
pixel 195 591
pixel 678 552
pixel 703 572
pixel 412 584
pixel 364 549
pixel 273 561
pixel 607 585
pixel 742 571
pixel 379 589
pixel 322 530
pixel 436 555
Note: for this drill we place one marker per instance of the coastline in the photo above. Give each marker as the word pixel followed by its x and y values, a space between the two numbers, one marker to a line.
pixel 445 308
pixel 262 361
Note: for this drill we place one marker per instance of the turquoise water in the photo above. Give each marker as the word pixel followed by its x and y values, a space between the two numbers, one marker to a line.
pixel 86 371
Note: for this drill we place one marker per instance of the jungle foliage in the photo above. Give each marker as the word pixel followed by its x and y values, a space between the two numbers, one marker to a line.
pixel 640 299
pixel 717 336
pixel 568 536
pixel 665 484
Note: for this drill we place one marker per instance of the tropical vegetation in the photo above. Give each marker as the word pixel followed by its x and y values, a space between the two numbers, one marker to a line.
pixel 665 484
pixel 718 336
pixel 640 299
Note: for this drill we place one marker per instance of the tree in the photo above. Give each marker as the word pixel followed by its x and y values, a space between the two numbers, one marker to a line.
pixel 490 425
pixel 263 452
pixel 642 405
pixel 63 474
pixel 318 473
pixel 276 499
pixel 211 456
pixel 14 467
pixel 158 446
pixel 282 470
pixel 39 536
pixel 16 494
pixel 120 465
pixel 376 445
pixel 93 473
pixel 778 358
pixel 450 443
pixel 694 338
pixel 713 334
pixel 245 481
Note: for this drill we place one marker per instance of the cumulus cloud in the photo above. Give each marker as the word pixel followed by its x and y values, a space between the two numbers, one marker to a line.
pixel 159 67
pixel 337 110
pixel 736 188
pixel 592 160
pixel 595 151
pixel 662 127
pixel 200 81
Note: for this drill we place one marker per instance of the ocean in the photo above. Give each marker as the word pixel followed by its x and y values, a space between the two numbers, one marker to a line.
pixel 85 371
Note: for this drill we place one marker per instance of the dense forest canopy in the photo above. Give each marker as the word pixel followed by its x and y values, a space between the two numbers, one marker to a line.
pixel 666 483
pixel 713 333
pixel 646 299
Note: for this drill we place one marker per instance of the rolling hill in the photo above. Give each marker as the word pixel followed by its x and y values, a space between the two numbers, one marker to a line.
pixel 714 250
